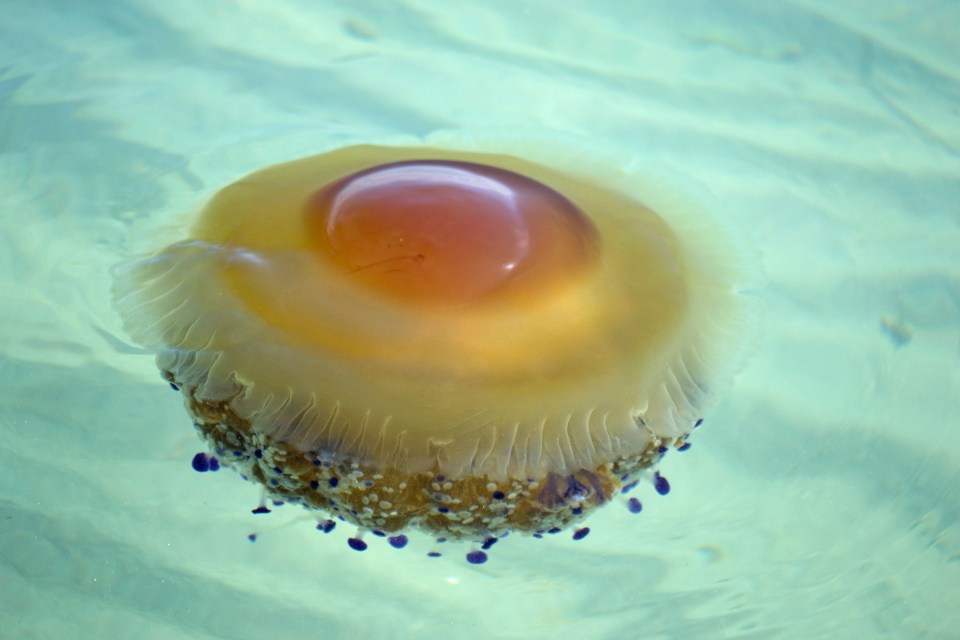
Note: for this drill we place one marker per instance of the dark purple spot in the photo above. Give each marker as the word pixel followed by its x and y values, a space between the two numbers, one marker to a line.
pixel 274 482
pixel 326 526
pixel 379 534
pixel 277 503
pixel 200 462
pixel 252 537
pixel 443 509
pixel 576 511
pixel 576 489
pixel 441 478
pixel 627 488
pixel 434 554
pixel 333 482
pixel 538 535
pixel 314 485
pixel 698 423
pixel 174 386
pixel 257 454
pixel 277 470
pixel 489 542
pixel 476 557
pixel 554 530
pixel 261 509
pixel 357 544
pixel 660 484
pixel 684 446
pixel 580 534
pixel 214 464
pixel 499 495
pixel 634 505
pixel 661 449
pixel 398 542
pixel 440 540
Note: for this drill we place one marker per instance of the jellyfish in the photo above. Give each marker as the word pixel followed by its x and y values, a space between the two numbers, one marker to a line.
pixel 441 337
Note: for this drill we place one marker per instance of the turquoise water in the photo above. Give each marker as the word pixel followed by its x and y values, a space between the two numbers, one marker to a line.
pixel 820 500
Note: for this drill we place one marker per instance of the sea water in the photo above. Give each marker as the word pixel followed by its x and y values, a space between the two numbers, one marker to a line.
pixel 820 498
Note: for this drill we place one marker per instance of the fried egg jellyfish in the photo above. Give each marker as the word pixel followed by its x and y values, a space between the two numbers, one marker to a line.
pixel 464 338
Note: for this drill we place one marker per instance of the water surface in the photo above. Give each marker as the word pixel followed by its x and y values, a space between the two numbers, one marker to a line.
pixel 819 500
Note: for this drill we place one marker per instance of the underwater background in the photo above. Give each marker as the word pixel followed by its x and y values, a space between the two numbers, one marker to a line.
pixel 821 498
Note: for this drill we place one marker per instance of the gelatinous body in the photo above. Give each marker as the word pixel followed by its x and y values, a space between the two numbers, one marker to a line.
pixel 448 233
pixel 461 342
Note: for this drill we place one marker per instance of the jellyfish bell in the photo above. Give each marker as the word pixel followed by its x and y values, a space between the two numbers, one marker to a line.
pixel 443 336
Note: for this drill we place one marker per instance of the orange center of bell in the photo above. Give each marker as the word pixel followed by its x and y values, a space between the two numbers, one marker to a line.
pixel 448 232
